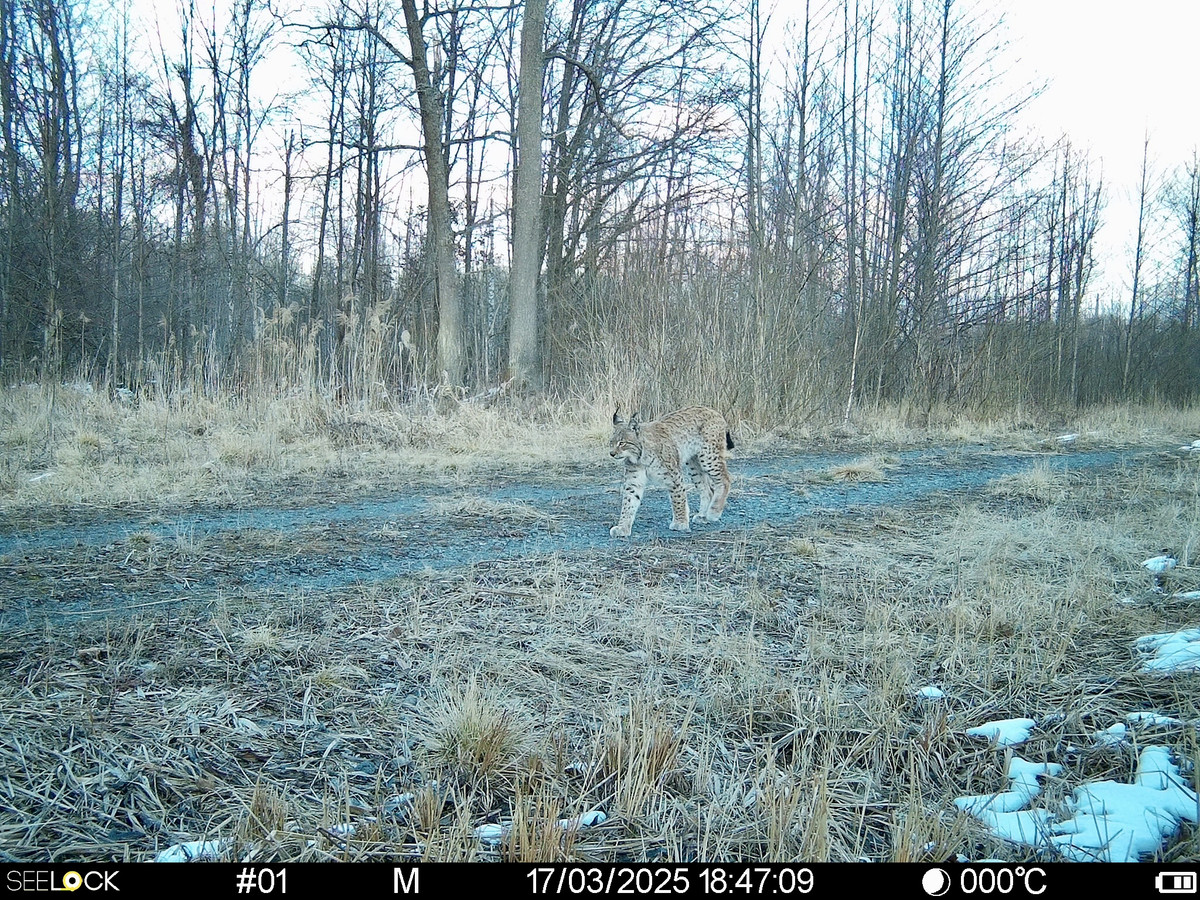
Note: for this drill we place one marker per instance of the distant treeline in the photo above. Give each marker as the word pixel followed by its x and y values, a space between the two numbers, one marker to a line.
pixel 839 215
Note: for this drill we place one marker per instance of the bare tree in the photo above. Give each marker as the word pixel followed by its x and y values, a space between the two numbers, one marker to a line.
pixel 857 30
pixel 523 363
pixel 330 58
pixel 432 111
pixel 754 129
pixel 1187 208
pixel 183 133
pixel 1137 301
pixel 1083 205
pixel 612 151
pixel 122 126
pixel 43 136
pixel 451 351
pixel 12 187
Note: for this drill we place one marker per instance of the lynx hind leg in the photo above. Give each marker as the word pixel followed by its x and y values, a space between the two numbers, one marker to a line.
pixel 717 476
pixel 679 504
pixel 631 499
pixel 704 485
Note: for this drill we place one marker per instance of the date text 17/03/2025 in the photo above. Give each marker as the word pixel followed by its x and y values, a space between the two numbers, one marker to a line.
pixel 670 880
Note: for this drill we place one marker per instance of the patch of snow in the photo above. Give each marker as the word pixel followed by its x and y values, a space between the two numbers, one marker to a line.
pixel 192 851
pixel 399 804
pixel 589 819
pixel 493 834
pixel 490 834
pixel 1113 736
pixel 982 805
pixel 1024 775
pixel 1110 821
pixel 1026 826
pixel 1151 720
pixel 1157 565
pixel 1177 651
pixel 1005 732
pixel 1116 822
pixel 1023 787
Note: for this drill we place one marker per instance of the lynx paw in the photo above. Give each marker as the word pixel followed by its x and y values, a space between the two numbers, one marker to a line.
pixel 681 526
pixel 619 530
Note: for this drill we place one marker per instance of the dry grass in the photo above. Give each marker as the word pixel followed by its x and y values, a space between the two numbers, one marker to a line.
pixel 471 734
pixel 1099 426
pixel 870 469
pixel 493 510
pixel 1040 483
pixel 66 445
pixel 725 697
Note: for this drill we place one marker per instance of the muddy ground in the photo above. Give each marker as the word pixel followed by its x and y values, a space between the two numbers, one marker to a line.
pixel 83 564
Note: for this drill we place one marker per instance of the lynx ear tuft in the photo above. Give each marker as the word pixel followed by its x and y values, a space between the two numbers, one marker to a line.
pixel 633 422
pixel 616 418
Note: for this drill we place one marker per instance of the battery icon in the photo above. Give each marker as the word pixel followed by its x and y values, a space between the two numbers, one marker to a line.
pixel 1175 882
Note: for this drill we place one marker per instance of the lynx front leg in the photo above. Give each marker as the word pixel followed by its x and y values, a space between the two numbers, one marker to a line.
pixel 631 499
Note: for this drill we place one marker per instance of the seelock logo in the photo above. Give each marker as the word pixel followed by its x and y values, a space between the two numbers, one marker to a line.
pixel 37 881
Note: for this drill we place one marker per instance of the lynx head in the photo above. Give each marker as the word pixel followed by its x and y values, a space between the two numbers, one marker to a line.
pixel 626 440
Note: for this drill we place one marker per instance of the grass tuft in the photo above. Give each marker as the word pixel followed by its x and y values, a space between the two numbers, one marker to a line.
pixel 641 749
pixel 871 469
pixel 473 735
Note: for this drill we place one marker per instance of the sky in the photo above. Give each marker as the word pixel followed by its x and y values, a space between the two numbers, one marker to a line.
pixel 1114 74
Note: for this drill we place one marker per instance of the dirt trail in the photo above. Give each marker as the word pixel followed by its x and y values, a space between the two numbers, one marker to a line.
pixel 110 563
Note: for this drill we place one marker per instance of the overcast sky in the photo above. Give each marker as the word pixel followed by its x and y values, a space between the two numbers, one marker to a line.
pixel 1115 72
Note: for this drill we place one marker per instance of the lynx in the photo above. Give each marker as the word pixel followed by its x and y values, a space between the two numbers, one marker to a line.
pixel 693 439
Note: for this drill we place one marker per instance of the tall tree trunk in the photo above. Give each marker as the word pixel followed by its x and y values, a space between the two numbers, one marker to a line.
pixel 8 102
pixel 1137 270
pixel 285 263
pixel 523 359
pixel 451 351
pixel 1191 234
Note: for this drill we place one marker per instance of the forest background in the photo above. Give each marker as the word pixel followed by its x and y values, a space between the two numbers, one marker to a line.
pixel 783 211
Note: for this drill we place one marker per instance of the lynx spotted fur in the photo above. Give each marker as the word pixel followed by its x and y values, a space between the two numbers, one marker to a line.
pixel 692 440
